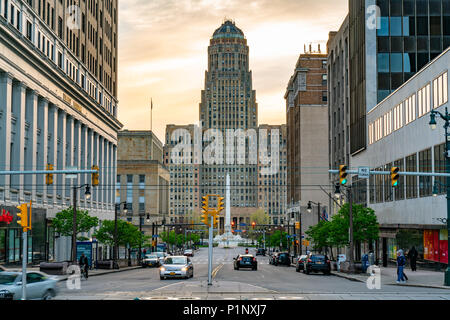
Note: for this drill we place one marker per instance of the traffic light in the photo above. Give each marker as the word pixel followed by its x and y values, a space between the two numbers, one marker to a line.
pixel 205 219
pixel 253 224
pixel 343 174
pixel 49 176
pixel 232 224
pixel 215 220
pixel 297 225
pixel 205 204
pixel 24 216
pixel 394 176
pixel 220 204
pixel 95 176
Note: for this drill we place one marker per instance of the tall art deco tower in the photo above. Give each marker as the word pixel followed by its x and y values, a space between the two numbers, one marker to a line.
pixel 228 102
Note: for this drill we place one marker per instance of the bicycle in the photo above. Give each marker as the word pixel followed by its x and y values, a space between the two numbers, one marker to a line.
pixel 83 273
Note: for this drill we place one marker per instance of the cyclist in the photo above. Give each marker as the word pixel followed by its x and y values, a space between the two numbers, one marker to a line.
pixel 84 265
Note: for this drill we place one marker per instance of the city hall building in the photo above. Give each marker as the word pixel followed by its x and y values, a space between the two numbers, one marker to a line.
pixel 399 135
pixel 58 105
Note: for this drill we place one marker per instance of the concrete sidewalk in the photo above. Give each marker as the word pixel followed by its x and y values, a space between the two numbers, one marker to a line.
pixel 92 273
pixel 419 278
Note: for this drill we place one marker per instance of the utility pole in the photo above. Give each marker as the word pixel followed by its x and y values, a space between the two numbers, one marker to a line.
pixel 210 251
pixel 351 257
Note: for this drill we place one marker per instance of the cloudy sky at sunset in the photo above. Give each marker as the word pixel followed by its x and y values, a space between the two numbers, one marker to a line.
pixel 163 52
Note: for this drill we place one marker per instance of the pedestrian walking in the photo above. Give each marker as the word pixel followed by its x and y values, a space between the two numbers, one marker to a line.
pixel 401 261
pixel 412 255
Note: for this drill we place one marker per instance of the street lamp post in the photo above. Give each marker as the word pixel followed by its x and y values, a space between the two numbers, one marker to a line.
pixel 433 124
pixel 318 209
pixel 74 230
pixel 141 218
pixel 116 209
pixel 350 213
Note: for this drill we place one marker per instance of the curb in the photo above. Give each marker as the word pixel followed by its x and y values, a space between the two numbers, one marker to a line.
pixel 65 277
pixel 346 277
pixel 418 285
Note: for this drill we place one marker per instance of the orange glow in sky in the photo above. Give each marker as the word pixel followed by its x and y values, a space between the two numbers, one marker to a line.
pixel 163 52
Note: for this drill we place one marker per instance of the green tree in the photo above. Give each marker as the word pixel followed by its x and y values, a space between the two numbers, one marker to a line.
pixel 274 239
pixel 127 234
pixel 365 225
pixel 260 217
pixel 320 235
pixel 63 222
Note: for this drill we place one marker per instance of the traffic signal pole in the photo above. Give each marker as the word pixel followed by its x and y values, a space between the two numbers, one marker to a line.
pixel 210 250
pixel 24 264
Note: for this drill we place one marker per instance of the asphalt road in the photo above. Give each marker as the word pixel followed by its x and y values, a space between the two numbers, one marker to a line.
pixel 268 282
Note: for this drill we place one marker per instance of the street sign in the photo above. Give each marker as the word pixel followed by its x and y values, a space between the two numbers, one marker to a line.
pixel 364 172
pixel 71 176
pixel 242 224
pixel 155 236
pixel 237 230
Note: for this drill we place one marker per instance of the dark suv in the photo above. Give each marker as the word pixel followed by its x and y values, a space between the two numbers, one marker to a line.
pixel 316 263
pixel 282 258
pixel 245 261
pixel 261 252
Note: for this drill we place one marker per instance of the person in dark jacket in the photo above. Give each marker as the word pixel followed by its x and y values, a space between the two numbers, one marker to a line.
pixel 401 261
pixel 412 255
pixel 84 264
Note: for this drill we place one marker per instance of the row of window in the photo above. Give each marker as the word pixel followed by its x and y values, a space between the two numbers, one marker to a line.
pixel 410 187
pixel 47 47
pixel 415 106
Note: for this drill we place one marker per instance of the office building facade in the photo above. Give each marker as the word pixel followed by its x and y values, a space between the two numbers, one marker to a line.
pixel 56 108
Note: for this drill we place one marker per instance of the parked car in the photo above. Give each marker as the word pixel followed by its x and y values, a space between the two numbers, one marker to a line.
pixel 188 253
pixel 317 263
pixel 261 252
pixel 299 264
pixel 39 286
pixel 150 260
pixel 245 261
pixel 283 258
pixel 176 267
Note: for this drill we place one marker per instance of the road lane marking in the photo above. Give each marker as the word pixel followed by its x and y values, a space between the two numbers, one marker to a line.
pixel 213 274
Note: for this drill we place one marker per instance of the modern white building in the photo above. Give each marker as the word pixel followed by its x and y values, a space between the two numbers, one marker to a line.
pixel 53 110
pixel 399 135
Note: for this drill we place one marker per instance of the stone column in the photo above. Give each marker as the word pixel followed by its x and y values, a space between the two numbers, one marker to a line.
pixel 61 157
pixel 17 152
pixel 32 141
pixel 52 156
pixel 95 161
pixel 69 183
pixel 5 129
pixel 89 160
pixel 43 138
pixel 101 165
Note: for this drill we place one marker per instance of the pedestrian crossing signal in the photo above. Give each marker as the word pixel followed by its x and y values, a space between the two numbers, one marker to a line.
pixel 343 174
pixel 394 176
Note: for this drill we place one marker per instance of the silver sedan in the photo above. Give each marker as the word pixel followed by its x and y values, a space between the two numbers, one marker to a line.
pixel 176 267
pixel 39 285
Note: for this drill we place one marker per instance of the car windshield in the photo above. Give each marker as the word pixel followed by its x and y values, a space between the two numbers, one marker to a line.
pixel 175 260
pixel 283 255
pixel 160 254
pixel 151 256
pixel 7 279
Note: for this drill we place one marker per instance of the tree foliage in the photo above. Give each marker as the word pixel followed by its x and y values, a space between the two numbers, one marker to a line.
pixel 274 239
pixel 63 222
pixel 336 232
pixel 127 234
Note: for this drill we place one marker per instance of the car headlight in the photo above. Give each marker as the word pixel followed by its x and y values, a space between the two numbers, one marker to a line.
pixel 184 269
pixel 162 269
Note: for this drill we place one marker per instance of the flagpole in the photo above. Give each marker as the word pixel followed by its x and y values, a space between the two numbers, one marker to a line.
pixel 151 116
